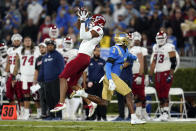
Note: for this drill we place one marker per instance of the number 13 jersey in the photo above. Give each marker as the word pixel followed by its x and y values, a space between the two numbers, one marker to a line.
pixel 27 64
pixel 161 55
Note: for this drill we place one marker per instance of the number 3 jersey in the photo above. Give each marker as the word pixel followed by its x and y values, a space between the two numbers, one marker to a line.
pixel 27 63
pixel 11 52
pixel 161 55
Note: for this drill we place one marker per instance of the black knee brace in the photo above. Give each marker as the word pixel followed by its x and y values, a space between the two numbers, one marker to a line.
pixel 143 103
pixel 137 100
pixel 163 101
pixel 27 98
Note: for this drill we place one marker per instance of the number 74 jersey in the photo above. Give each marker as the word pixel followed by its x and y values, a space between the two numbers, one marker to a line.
pixel 27 64
pixel 161 55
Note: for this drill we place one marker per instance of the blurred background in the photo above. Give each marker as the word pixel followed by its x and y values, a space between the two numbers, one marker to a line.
pixel 176 17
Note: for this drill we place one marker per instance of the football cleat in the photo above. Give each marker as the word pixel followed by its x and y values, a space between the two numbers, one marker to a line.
pixel 81 93
pixel 38 116
pixel 92 106
pixel 135 120
pixel 58 107
pixel 163 117
pixel 145 115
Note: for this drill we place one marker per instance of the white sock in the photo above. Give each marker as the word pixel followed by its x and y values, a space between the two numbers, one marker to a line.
pixel 38 110
pixel 162 110
pixel 166 109
pixel 133 116
pixel 26 110
pixel 22 109
pixel 144 111
pixel 138 111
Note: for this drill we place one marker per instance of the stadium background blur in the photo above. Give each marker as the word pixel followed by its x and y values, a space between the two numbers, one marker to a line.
pixel 34 17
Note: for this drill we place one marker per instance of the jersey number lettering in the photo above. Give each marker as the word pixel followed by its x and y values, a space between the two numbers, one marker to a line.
pixel 160 58
pixel 12 61
pixel 30 60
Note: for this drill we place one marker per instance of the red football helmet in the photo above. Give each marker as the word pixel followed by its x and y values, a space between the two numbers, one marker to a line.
pixel 161 38
pixel 97 20
pixel 68 43
pixel 53 32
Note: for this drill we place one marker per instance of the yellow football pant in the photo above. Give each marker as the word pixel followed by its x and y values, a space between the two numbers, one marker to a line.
pixel 121 87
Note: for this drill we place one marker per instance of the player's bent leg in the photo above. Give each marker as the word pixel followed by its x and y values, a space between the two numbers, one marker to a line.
pixel 134 118
pixel 92 98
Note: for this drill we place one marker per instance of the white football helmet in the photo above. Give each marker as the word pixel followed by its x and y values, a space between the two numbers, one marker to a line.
pixel 68 43
pixel 137 36
pixel 161 38
pixel 16 37
pixel 53 32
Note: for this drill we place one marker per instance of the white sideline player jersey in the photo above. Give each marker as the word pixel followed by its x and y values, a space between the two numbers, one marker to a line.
pixel 161 54
pixel 68 55
pixel 59 42
pixel 27 64
pixel 87 46
pixel 3 62
pixel 11 52
pixel 136 50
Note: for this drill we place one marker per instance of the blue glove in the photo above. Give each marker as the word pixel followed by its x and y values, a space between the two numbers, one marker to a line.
pixel 169 78
pixel 150 80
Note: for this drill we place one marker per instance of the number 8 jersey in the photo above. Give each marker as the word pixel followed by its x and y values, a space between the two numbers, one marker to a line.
pixel 27 64
pixel 161 55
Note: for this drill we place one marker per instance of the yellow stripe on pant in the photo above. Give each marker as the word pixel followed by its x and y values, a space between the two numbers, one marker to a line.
pixel 121 87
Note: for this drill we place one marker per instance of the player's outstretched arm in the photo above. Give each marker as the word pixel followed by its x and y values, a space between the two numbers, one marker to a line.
pixel 85 35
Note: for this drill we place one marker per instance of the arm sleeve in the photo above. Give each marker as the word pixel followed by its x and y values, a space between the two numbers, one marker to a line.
pixel 41 72
pixel 108 66
pixel 85 35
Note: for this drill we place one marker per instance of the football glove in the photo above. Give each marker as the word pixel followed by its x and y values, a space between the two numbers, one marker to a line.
pixel 138 80
pixel 112 85
pixel 169 78
pixel 82 14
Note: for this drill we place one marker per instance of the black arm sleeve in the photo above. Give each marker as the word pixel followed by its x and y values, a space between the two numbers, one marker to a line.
pixel 173 63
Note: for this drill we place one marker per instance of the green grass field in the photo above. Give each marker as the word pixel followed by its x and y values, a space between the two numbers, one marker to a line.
pixel 93 126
